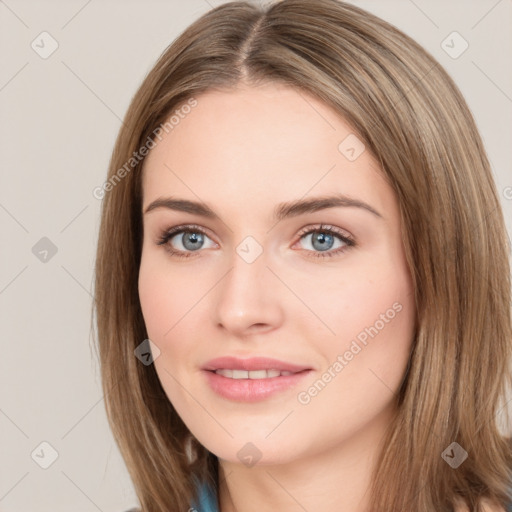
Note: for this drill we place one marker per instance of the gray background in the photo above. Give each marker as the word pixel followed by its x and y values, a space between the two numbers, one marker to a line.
pixel 59 119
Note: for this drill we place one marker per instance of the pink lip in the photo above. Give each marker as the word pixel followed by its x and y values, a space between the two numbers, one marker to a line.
pixel 253 363
pixel 252 390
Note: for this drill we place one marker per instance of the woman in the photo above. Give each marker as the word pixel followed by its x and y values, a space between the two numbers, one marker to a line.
pixel 302 281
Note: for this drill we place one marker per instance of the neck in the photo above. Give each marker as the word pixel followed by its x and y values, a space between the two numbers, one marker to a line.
pixel 332 480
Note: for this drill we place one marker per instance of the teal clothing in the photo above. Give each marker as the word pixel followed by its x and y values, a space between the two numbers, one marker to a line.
pixel 207 500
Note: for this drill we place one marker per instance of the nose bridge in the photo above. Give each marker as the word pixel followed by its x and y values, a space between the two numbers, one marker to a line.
pixel 246 295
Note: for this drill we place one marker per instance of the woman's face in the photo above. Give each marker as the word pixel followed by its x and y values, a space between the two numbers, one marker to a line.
pixel 268 267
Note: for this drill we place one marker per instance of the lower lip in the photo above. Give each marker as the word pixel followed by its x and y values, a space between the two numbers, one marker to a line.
pixel 252 390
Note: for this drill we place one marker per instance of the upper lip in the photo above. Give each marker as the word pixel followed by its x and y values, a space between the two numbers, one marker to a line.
pixel 253 363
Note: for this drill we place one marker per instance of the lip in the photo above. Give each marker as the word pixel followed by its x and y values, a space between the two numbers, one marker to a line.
pixel 252 390
pixel 253 363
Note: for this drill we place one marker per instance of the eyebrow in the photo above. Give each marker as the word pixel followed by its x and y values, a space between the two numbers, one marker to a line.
pixel 282 210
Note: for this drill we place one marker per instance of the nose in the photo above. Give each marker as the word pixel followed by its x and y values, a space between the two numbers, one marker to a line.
pixel 248 298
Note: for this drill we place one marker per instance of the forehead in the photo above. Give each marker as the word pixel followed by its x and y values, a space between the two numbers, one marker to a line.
pixel 269 141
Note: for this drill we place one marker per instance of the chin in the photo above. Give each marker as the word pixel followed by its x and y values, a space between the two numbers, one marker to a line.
pixel 256 453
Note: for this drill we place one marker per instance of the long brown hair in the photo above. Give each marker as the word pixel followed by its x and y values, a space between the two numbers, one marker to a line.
pixel 412 117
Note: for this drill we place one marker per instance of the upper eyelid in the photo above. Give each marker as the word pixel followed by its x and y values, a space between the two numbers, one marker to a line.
pixel 176 230
pixel 325 227
pixel 181 228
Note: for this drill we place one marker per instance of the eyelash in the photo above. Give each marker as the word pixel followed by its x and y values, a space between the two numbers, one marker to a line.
pixel 322 228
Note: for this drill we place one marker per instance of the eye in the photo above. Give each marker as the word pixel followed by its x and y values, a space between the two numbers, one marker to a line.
pixel 183 241
pixel 321 240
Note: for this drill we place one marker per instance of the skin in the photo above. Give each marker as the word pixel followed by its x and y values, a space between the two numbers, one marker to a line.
pixel 242 152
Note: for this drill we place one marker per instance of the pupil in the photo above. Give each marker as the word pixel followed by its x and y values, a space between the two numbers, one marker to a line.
pixel 193 241
pixel 324 239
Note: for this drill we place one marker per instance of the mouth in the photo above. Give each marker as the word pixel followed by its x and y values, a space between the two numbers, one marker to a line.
pixel 253 365
pixel 251 380
pixel 254 374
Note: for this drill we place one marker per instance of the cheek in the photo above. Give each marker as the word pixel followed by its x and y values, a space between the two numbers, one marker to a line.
pixel 166 297
pixel 374 325
pixel 165 294
pixel 364 368
pixel 345 304
pixel 371 312
pixel 154 300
